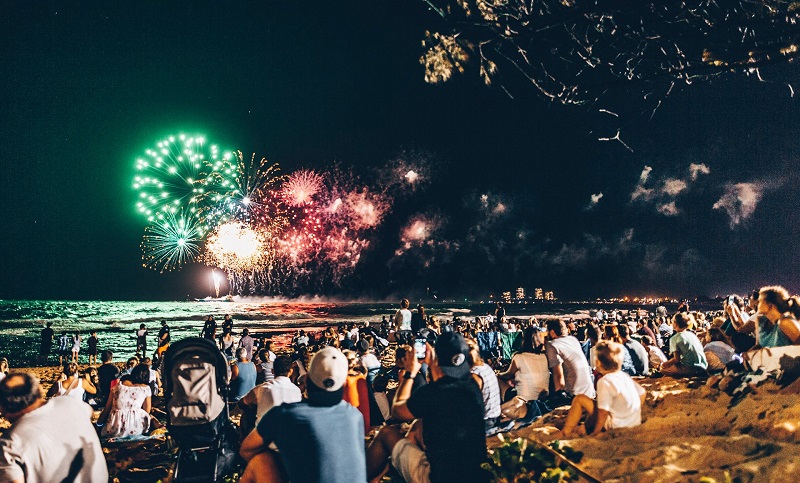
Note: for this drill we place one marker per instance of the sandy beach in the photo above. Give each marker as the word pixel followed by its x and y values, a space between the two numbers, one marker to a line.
pixel 691 430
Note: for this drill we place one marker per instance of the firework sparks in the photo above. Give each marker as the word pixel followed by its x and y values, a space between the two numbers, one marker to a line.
pixel 236 247
pixel 171 242
pixel 172 176
pixel 301 187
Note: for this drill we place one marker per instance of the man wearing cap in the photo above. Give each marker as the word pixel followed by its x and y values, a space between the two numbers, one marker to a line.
pixel 450 410
pixel 319 439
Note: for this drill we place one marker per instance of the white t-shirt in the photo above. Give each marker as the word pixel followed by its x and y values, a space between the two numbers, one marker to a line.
pixel 402 319
pixel 274 393
pixel 620 396
pixel 370 361
pixel 45 442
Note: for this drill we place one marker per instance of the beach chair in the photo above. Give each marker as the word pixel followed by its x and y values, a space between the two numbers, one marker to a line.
pixel 196 377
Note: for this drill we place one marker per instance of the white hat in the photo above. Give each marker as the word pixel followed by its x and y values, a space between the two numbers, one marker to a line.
pixel 328 369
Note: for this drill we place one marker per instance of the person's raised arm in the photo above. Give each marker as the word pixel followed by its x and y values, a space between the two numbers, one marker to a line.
pixel 412 366
pixel 88 386
pixel 740 321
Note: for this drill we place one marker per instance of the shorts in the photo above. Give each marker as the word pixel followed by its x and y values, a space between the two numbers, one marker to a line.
pixel 411 462
pixel 65 352
pixel 92 352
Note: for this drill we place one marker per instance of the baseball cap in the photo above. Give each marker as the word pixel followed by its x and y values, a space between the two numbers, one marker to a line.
pixel 452 354
pixel 328 369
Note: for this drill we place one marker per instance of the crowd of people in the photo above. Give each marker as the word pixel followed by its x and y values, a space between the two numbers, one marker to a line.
pixel 305 412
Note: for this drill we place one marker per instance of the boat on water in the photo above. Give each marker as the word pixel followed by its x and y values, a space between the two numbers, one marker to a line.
pixel 227 298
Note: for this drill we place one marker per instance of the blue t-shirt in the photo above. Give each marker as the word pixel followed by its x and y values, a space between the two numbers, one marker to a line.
pixel 318 443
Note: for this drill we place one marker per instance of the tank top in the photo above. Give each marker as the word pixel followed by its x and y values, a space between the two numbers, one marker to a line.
pixel 490 391
pixel 75 389
pixel 772 336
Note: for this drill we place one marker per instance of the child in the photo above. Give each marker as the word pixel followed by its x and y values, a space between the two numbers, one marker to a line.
pixel 688 358
pixel 619 398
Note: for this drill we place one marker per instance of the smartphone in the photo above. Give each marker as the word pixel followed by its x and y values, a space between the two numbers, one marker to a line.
pixel 730 299
pixel 419 348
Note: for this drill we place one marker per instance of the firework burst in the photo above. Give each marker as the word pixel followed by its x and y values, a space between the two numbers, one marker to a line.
pixel 173 176
pixel 171 242
pixel 300 188
pixel 238 248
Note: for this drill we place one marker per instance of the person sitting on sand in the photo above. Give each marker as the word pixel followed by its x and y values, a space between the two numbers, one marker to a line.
pixel 486 379
pixel 619 398
pixel 639 356
pixel 528 368
pixel 356 391
pixel 107 372
pixel 688 358
pixel 450 413
pixel 3 368
pixel 47 441
pixel 127 411
pixel 775 323
pixel 717 350
pixel 243 375
pixel 319 439
pixel 570 369
pixel 71 384
pixel 655 355
pixel 275 392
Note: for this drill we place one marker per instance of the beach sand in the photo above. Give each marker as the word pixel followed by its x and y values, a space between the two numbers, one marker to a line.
pixel 690 430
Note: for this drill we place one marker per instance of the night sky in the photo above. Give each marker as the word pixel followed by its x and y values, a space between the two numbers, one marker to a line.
pixel 705 203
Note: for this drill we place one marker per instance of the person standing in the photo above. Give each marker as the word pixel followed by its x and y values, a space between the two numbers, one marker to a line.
pixel 48 441
pixel 76 346
pixel 48 334
pixel 209 328
pixel 92 350
pixel 163 339
pixel 227 323
pixel 402 323
pixel 65 344
pixel 141 340
pixel 247 342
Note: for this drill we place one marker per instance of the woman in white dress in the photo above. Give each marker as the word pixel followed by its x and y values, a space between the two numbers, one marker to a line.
pixel 127 412
pixel 76 347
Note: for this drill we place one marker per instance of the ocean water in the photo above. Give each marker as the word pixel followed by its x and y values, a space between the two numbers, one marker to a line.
pixel 21 322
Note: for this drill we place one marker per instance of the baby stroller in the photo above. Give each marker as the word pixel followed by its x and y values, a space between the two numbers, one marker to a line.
pixel 196 377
